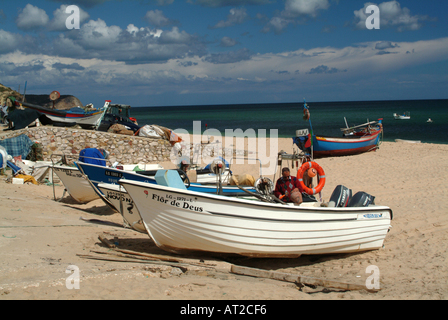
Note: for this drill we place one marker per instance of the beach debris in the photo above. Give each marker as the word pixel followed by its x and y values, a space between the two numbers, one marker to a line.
pixel 299 280
pixel 122 255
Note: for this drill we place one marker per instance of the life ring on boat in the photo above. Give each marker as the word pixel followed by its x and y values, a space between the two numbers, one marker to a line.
pixel 306 166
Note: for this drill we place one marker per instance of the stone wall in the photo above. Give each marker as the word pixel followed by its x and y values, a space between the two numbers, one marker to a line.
pixel 123 148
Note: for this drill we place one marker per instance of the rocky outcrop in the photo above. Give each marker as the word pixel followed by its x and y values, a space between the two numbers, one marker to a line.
pixel 65 102
pixel 6 92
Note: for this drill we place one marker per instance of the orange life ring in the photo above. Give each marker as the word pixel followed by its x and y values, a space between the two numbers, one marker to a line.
pixel 320 172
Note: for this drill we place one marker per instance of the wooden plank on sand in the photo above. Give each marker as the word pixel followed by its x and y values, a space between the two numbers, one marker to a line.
pixel 296 278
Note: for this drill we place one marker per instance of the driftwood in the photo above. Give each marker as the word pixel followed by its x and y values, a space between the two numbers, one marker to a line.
pixel 296 278
pixel 132 260
pixel 146 256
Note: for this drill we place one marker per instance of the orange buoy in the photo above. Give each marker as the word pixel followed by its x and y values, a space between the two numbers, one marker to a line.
pixel 307 166
pixel 312 172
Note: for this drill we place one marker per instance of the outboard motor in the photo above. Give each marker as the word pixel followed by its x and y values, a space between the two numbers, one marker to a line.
pixel 340 197
pixel 361 199
pixel 264 186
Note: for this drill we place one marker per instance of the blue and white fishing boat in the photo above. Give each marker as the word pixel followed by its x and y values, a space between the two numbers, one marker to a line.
pixel 104 181
pixel 345 146
pixel 101 174
pixel 358 139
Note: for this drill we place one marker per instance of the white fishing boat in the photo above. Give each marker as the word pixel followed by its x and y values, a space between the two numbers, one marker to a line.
pixel 180 220
pixel 75 184
pixel 405 116
pixel 80 189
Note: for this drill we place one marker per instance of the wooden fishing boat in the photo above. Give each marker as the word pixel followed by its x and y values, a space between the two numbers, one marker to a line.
pixel 85 117
pixel 355 140
pixel 180 220
pixel 347 145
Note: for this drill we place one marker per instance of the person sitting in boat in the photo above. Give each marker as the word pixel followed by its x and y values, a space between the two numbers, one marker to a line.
pixel 288 188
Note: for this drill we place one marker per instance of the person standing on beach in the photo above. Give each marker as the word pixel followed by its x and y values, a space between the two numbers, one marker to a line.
pixel 288 188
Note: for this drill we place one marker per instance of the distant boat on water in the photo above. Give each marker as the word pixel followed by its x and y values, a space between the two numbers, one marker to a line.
pixel 404 116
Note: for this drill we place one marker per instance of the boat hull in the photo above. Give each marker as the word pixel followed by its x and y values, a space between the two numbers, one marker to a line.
pixel 183 221
pixel 84 119
pixel 78 187
pixel 344 146
pixel 405 116
pixel 119 198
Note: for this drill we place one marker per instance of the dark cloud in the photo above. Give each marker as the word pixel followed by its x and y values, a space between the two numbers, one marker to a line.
pixel 12 70
pixel 225 3
pixel 83 3
pixel 322 69
pixel 187 63
pixel 281 71
pixel 229 57
pixel 73 66
pixel 385 45
pixel 383 52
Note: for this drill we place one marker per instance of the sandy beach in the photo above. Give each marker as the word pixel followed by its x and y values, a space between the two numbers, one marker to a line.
pixel 40 238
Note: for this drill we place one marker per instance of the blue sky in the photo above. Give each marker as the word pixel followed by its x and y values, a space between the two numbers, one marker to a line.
pixel 195 52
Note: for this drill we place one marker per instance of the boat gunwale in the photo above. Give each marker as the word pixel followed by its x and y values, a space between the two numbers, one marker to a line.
pixel 320 210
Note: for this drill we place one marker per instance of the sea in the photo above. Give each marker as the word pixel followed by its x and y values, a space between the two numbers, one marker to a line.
pixel 327 118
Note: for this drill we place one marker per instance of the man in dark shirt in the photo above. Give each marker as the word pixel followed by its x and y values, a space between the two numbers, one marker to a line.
pixel 288 188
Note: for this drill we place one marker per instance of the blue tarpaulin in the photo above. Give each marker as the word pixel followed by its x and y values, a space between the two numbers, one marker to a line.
pixel 14 167
pixel 86 155
pixel 18 146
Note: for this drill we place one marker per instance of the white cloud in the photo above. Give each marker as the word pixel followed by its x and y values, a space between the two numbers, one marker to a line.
pixel 236 16
pixel 295 9
pixel 175 36
pixel 31 18
pixel 305 7
pixel 227 42
pixel 8 41
pixel 97 35
pixel 158 19
pixel 391 15
pixel 60 16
